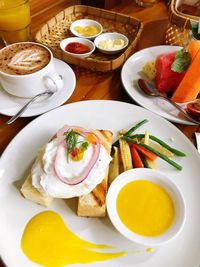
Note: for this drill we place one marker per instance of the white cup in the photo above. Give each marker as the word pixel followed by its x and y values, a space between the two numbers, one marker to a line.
pixel 29 85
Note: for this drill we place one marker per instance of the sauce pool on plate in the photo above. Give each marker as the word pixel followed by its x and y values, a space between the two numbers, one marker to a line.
pixel 145 208
pixel 47 241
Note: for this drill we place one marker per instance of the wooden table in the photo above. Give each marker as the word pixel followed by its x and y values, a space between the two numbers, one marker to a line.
pixel 93 85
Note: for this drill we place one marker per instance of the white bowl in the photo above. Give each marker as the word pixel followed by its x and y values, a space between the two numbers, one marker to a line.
pixel 85 23
pixel 84 41
pixel 168 185
pixel 109 37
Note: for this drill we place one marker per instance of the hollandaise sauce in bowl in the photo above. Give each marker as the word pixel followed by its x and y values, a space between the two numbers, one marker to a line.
pixel 146 207
pixel 86 28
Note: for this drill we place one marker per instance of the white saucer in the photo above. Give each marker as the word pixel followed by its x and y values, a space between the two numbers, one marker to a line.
pixel 10 105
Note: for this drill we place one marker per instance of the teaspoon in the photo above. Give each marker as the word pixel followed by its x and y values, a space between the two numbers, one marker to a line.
pixel 21 111
pixel 150 90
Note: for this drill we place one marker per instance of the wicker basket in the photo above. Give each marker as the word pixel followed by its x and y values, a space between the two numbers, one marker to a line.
pixel 178 30
pixel 57 29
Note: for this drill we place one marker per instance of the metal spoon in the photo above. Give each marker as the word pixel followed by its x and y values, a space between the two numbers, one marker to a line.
pixel 149 89
pixel 51 86
pixel 21 111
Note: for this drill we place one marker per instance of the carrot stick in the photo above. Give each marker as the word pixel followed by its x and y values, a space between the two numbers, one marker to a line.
pixel 189 87
pixel 136 160
pixel 193 48
pixel 148 154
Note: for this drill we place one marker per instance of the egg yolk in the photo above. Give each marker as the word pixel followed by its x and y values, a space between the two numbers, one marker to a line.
pixel 145 208
pixel 47 241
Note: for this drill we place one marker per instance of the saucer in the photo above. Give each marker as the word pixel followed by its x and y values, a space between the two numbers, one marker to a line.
pixel 10 105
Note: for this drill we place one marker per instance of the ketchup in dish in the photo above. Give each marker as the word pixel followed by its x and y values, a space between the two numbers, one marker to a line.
pixel 77 48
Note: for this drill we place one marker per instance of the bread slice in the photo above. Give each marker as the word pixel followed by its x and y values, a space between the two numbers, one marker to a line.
pixel 94 203
pixel 31 193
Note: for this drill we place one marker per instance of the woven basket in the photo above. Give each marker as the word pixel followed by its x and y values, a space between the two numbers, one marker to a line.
pixel 178 30
pixel 58 28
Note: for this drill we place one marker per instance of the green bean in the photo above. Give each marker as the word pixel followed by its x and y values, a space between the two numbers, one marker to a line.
pixel 160 155
pixel 145 162
pixel 162 143
pixel 130 131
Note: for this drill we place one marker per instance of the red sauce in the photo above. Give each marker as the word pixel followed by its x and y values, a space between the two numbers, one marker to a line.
pixel 77 48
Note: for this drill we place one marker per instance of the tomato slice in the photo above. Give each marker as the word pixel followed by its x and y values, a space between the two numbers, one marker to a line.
pixel 194 109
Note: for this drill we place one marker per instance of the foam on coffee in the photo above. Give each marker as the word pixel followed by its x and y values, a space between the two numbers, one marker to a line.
pixel 23 58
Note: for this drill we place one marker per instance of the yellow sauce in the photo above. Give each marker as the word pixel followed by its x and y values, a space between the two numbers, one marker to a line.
pixel 87 30
pixel 47 241
pixel 145 208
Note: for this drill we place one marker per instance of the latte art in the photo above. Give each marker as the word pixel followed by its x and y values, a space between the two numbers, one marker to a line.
pixel 26 60
pixel 23 59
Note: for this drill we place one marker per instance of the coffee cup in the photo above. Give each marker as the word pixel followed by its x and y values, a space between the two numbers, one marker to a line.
pixel 27 69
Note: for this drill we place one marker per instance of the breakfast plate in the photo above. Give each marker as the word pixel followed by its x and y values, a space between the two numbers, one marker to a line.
pixel 10 105
pixel 15 211
pixel 131 73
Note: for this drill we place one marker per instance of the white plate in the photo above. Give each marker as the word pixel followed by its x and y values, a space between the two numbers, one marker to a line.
pixel 15 211
pixel 131 73
pixel 10 105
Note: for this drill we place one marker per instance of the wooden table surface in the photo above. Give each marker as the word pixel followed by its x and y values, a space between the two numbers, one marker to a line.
pixel 93 85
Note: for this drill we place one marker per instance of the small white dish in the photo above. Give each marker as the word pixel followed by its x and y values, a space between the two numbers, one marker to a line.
pixel 85 23
pixel 79 40
pixel 10 105
pixel 109 38
pixel 166 183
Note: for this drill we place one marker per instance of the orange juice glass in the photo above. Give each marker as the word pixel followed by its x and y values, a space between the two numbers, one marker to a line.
pixel 14 21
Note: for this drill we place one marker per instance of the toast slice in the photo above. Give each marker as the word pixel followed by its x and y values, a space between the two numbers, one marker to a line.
pixel 94 203
pixel 31 193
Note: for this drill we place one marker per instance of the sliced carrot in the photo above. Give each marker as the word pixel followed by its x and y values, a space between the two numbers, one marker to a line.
pixel 148 154
pixel 193 47
pixel 136 160
pixel 189 87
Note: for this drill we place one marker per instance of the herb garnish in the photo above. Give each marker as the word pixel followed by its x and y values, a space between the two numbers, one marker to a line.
pixel 181 61
pixel 72 143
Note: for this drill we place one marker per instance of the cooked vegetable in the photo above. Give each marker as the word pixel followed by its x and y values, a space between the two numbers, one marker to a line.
pixel 162 143
pixel 148 154
pixel 171 162
pixel 125 154
pixel 130 131
pixel 147 162
pixel 136 160
pixel 114 166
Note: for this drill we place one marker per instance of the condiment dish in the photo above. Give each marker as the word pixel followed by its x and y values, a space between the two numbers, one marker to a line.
pixel 164 183
pixel 111 42
pixel 86 28
pixel 76 42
